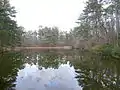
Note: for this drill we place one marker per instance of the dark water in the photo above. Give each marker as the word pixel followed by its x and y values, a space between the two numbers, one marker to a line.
pixel 58 70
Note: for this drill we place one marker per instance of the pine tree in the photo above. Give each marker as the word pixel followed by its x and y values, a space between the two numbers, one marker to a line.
pixel 9 30
pixel 91 19
pixel 100 21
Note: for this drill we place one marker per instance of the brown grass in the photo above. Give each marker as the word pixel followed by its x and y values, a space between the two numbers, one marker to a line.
pixel 42 48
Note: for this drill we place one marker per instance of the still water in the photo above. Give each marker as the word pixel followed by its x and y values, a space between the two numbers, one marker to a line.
pixel 58 70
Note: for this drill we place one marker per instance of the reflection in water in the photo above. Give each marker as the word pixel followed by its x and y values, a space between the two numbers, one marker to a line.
pixel 46 71
pixel 98 74
pixel 10 63
pixel 58 70
pixel 45 59
pixel 31 78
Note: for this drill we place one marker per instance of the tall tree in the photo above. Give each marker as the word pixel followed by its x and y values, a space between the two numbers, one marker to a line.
pixel 9 30
pixel 90 22
pixel 100 22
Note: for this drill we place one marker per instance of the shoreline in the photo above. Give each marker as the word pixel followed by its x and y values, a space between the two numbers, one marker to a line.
pixel 40 48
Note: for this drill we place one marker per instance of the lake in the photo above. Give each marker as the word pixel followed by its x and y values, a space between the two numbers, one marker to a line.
pixel 58 70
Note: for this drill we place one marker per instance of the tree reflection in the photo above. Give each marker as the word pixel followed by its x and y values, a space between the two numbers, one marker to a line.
pixel 50 60
pixel 46 59
pixel 94 73
pixel 10 63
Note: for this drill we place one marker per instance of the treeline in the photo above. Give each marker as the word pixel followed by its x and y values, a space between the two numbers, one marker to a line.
pixel 45 36
pixel 99 24
pixel 12 35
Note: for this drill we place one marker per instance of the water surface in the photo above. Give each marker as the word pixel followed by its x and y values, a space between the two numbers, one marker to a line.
pixel 58 70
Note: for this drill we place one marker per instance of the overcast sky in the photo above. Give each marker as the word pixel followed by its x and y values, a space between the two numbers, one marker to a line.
pixel 60 13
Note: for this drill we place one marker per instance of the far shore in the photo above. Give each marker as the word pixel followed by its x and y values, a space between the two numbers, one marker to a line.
pixel 41 48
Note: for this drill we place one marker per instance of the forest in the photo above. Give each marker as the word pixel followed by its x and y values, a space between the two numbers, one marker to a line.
pixel 97 29
pixel 94 57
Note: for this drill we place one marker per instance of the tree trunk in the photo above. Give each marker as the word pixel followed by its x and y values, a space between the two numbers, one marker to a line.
pixel 117 20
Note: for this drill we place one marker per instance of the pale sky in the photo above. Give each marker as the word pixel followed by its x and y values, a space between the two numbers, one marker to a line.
pixel 60 13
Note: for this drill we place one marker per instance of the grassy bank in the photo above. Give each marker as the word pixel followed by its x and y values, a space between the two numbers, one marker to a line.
pixel 107 51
